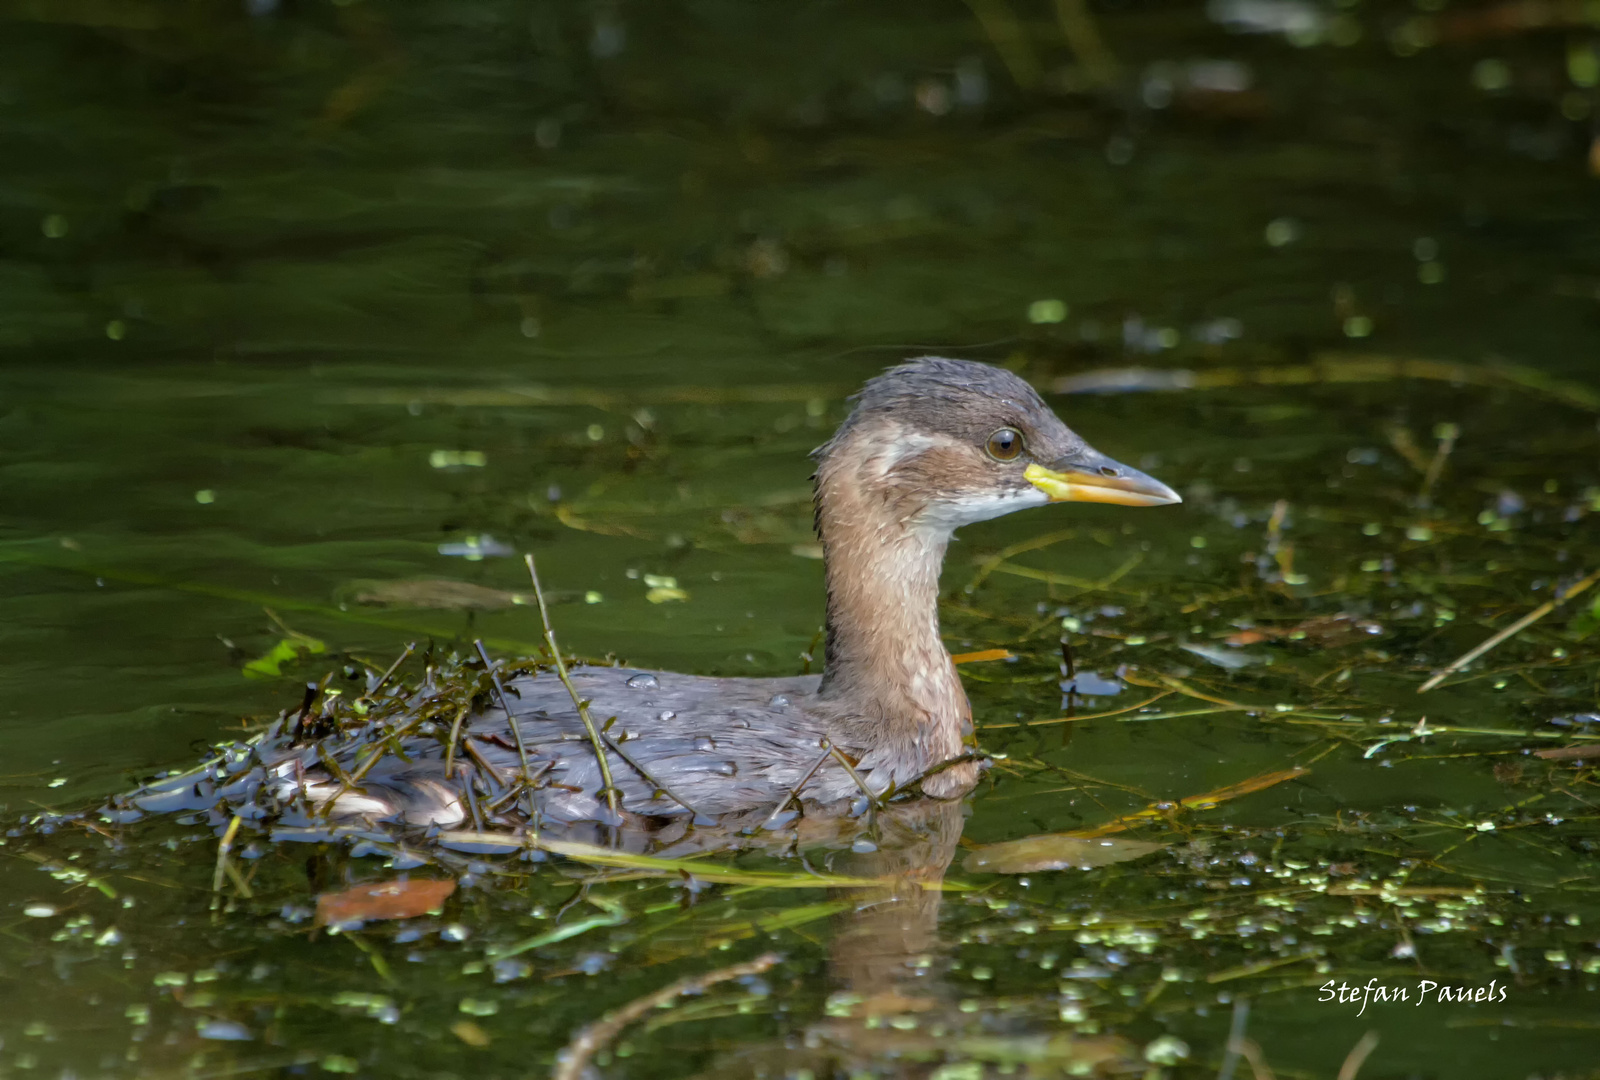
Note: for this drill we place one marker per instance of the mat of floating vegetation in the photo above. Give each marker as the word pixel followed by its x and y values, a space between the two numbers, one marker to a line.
pixel 364 722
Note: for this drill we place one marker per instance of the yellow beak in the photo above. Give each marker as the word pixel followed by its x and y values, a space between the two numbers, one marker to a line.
pixel 1093 477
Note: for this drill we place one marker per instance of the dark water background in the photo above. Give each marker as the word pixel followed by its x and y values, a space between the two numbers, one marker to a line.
pixel 294 293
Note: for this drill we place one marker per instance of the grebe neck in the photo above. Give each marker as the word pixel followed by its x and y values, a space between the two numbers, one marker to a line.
pixel 886 663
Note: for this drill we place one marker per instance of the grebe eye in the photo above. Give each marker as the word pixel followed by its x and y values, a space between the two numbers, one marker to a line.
pixel 1005 444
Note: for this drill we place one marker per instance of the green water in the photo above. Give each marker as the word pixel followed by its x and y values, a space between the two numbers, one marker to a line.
pixel 293 294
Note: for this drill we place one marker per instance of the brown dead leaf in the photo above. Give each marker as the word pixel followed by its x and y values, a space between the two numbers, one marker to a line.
pixel 384 900
pixel 1328 631
pixel 470 1033
pixel 1589 752
pixel 1055 851
pixel 1508 19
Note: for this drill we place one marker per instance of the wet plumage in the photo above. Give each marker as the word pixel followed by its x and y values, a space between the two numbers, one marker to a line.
pixel 931 445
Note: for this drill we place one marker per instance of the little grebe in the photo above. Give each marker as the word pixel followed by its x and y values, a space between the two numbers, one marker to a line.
pixel 931 445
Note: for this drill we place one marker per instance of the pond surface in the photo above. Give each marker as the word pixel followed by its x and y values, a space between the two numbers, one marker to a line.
pixel 307 307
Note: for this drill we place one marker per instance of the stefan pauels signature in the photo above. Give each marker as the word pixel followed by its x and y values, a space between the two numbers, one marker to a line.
pixel 1425 990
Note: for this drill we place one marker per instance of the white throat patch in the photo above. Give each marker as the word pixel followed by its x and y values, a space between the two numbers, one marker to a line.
pixel 948 516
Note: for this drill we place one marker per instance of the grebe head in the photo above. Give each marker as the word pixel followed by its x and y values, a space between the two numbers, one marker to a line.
pixel 943 443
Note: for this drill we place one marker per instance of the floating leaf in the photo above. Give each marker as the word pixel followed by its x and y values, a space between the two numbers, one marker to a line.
pixel 470 1033
pixel 458 459
pixel 434 593
pixel 1232 659
pixel 980 656
pixel 287 651
pixel 1580 754
pixel 384 900
pixel 1055 851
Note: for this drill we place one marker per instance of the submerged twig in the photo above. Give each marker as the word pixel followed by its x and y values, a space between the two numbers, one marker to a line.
pixel 383 680
pixel 1078 25
pixel 1258 1061
pixel 1331 368
pixel 224 846
pixel 574 1060
pixel 844 763
pixel 1358 1054
pixel 1091 716
pixel 1230 1059
pixel 566 680
pixel 1509 632
pixel 1005 32
pixel 794 792
pixel 1164 810
pixel 1447 442
pixel 450 747
pixel 645 774
pixel 1050 577
pixel 987 566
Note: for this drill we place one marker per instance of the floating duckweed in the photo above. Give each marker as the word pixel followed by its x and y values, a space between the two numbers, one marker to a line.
pixel 222 1030
pixel 458 459
pixel 840 1004
pixel 137 1014
pixel 1166 1050
pixel 205 496
pixel 338 1063
pixel 1281 232
pixel 39 910
pixel 1044 312
pixel 1491 75
pixel 377 1006
pixel 479 1006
